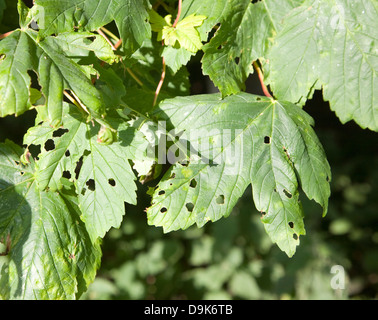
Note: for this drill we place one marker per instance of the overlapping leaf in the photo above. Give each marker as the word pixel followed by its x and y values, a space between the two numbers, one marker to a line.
pixel 50 252
pixel 130 16
pixel 102 174
pixel 338 52
pixel 49 59
pixel 240 140
pixel 246 32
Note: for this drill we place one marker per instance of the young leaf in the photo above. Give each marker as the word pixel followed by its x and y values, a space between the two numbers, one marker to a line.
pixel 50 253
pixel 240 140
pixel 337 53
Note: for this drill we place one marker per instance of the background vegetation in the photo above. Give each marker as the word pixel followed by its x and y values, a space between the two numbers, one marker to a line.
pixel 234 258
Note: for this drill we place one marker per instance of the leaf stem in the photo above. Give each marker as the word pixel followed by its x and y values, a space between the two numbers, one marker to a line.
pixel 110 34
pixel 160 83
pixel 178 14
pixel 261 78
pixel 4 35
pixel 99 31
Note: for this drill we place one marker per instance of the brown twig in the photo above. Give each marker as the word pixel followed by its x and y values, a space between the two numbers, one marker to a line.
pixel 261 78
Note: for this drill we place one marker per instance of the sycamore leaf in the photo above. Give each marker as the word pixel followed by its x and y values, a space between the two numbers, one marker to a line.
pixel 130 16
pixel 337 52
pixel 185 32
pixel 50 253
pixel 243 139
pixel 229 55
pixel 49 59
pixel 101 171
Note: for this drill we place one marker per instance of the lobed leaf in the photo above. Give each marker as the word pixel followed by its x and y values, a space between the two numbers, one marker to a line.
pixel 50 253
pixel 243 139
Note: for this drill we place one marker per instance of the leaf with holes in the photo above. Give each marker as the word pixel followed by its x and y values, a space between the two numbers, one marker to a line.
pixel 240 140
pixel 338 53
pixel 50 254
pixel 228 56
pixel 130 16
pixel 102 174
pixel 49 59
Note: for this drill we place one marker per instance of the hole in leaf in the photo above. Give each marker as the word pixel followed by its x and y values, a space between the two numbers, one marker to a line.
pixel 291 224
pixel 237 60
pixel 34 80
pixel 164 209
pixel 173 175
pixel 83 191
pixel 295 236
pixel 59 132
pixel 189 206
pixel 49 145
pixel 287 193
pixel 78 167
pixel 67 153
pixel 112 182
pixel 193 183
pixel 258 99
pixel 34 150
pixel 220 199
pixel 91 184
pixel 66 174
pixel 267 140
pixel 161 192
pixel 327 179
pixel 22 173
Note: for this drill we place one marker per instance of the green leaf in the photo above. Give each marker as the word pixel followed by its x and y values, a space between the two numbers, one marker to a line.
pixel 50 253
pixel 184 33
pixel 130 16
pixel 102 174
pixel 228 56
pixel 49 59
pixel 337 53
pixel 241 139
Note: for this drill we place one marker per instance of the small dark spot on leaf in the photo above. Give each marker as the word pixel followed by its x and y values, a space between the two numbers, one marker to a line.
pixel 193 183
pixel 295 236
pixel 83 191
pixel 327 179
pixel 173 175
pixel 237 60
pixel 287 193
pixel 258 99
pixel 164 209
pixel 112 182
pixel 67 153
pixel 291 224
pixel 189 206
pixel 267 140
pixel 60 132
pixel 22 173
pixel 91 184
pixel 220 199
pixel 161 192
pixel 49 145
